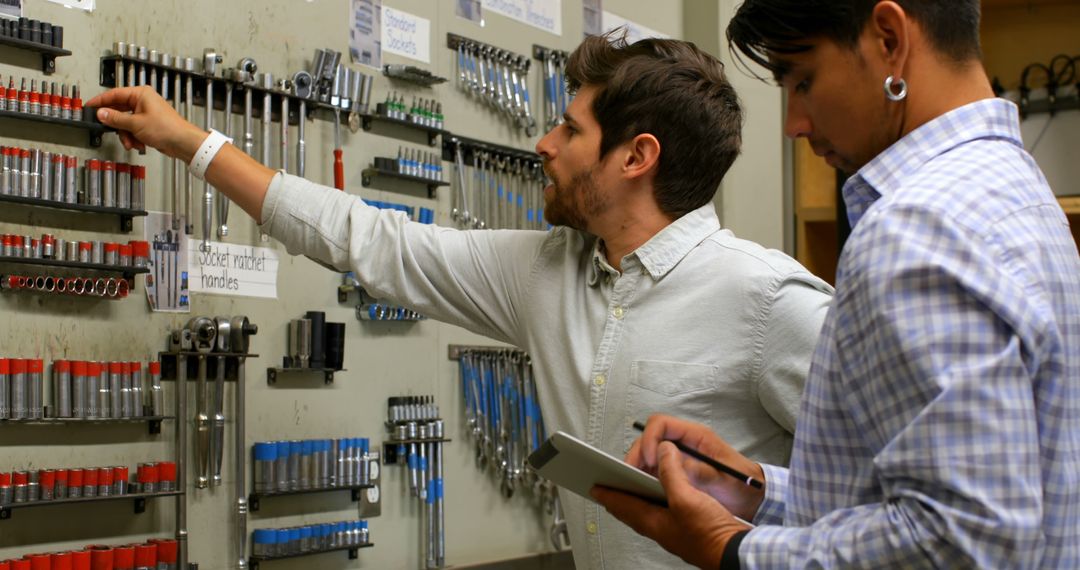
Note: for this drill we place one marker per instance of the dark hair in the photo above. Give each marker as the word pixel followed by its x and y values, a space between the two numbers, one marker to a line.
pixel 673 91
pixel 761 27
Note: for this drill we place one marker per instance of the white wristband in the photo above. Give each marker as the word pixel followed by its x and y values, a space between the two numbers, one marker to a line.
pixel 206 153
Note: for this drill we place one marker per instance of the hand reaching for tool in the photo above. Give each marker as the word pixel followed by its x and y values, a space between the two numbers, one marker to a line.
pixel 694 526
pixel 144 119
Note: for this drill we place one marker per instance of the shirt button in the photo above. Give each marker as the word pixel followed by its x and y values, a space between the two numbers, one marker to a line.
pixel 618 312
pixel 591 527
pixel 599 380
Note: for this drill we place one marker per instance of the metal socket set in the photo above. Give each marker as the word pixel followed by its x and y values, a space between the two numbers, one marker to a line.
pixel 41 98
pixel 309 539
pixel 54 177
pixel 312 464
pixel 315 343
pixel 154 554
pixel 42 485
pixel 381 312
pixel 417 431
pixel 79 389
pixel 413 162
pixel 424 112
pixel 135 253
pixel 98 287
pixel 33 31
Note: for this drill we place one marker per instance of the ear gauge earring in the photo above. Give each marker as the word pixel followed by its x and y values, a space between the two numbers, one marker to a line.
pixel 900 84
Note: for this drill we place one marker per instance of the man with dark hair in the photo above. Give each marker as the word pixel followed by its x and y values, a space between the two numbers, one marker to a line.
pixel 941 421
pixel 640 303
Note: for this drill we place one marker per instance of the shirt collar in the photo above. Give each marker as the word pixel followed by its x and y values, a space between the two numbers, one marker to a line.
pixel 886 173
pixel 664 250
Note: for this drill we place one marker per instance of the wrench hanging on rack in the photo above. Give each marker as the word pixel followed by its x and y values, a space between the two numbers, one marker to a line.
pixel 211 59
pixel 217 439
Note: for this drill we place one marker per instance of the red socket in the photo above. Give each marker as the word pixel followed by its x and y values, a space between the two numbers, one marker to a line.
pixel 40 561
pixel 124 558
pixel 47 478
pixel 90 477
pixel 35 366
pixel 120 474
pixel 146 555
pixel 80 560
pixel 148 473
pixel 105 476
pixel 166 471
pixel 5 366
pixel 155 367
pixel 101 557
pixel 61 561
pixel 75 477
pixel 166 551
pixel 62 366
pixel 20 478
pixel 5 479
pixel 18 366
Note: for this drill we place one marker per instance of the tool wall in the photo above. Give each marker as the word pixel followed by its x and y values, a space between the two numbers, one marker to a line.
pixel 340 410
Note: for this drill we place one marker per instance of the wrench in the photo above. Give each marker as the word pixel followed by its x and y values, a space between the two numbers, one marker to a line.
pixel 217 441
pixel 203 333
pixel 301 86
pixel 223 200
pixel 211 59
pixel 189 95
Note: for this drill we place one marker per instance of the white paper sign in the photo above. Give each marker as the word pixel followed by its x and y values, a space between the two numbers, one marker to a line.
pixel 406 34
pixel 634 30
pixel 233 269
pixel 543 14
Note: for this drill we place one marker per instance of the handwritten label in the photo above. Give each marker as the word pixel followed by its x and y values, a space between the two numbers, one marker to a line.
pixel 543 14
pixel 233 269
pixel 406 34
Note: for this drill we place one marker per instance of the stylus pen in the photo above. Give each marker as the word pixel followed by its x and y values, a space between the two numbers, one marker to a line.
pixel 711 462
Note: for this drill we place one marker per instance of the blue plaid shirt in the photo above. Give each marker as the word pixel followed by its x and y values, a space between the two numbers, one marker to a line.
pixel 941 421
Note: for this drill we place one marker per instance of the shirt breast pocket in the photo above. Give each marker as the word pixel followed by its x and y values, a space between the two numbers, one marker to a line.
pixel 662 387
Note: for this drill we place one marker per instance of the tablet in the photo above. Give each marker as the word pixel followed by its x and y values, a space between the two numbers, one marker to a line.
pixel 577 466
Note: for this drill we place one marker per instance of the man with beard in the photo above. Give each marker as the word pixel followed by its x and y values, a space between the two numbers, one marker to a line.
pixel 637 302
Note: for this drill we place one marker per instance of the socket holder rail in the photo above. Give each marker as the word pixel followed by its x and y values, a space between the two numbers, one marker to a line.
pixel 169 364
pixel 354 553
pixel 367 121
pixel 108 79
pixel 368 175
pixel 454 40
pixel 1037 106
pixel 354 490
pixel 153 422
pixel 390 454
pixel 273 372
pixel 412 74
pixel 542 53
pixel 48 53
pixel 129 272
pixel 126 215
pixel 94 128
pixel 139 499
pixel 470 146
pixel 454 351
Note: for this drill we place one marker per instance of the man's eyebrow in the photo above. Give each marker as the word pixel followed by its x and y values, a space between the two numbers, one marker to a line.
pixel 780 69
pixel 569 119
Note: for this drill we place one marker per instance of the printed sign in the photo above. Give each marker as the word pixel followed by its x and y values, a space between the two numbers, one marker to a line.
pixel 634 30
pixel 11 8
pixel 543 14
pixel 233 269
pixel 365 31
pixel 167 283
pixel 406 34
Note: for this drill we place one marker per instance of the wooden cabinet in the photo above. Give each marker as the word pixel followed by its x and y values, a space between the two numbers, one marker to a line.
pixel 1014 34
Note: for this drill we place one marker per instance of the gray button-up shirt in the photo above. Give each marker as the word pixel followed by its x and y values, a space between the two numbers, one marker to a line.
pixel 698 324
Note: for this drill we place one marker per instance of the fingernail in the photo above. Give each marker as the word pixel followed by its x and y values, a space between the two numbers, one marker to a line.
pixel 102 114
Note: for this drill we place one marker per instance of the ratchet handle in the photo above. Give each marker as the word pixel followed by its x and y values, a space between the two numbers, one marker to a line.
pixel 339 170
